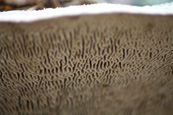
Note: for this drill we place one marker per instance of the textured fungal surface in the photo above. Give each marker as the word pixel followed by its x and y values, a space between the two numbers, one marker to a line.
pixel 87 64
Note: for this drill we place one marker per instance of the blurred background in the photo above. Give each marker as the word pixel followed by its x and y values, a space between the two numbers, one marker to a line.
pixel 6 5
pixel 136 2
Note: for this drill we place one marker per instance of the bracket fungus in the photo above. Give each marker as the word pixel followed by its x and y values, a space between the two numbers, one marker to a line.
pixel 89 59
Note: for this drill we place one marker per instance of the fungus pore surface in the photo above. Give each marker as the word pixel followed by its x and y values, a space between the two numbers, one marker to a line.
pixel 110 63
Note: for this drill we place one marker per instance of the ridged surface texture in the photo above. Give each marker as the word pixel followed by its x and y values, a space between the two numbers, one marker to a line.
pixel 88 65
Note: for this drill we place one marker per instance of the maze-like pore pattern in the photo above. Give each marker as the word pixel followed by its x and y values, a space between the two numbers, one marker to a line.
pixel 102 64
